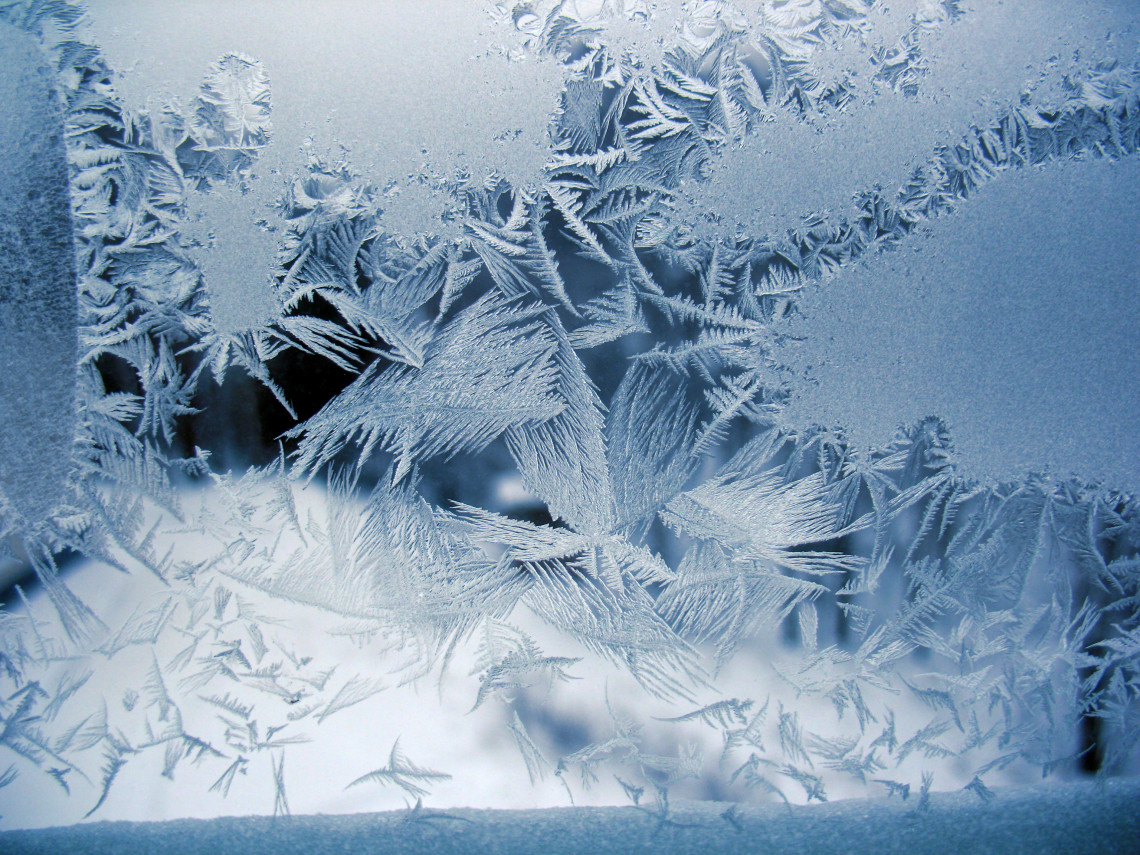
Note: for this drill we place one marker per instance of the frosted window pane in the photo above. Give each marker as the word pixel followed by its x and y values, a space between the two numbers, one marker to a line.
pixel 694 407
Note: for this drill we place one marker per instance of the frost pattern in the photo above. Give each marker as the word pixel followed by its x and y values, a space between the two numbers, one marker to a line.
pixel 623 353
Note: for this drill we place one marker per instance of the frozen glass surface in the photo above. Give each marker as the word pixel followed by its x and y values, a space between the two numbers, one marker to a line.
pixel 684 405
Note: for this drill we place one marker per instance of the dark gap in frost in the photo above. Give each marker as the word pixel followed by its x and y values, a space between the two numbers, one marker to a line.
pixel 535 514
pixel 118 375
pixel 504 204
pixel 235 422
pixel 1091 745
pixel 308 381
pixel 470 479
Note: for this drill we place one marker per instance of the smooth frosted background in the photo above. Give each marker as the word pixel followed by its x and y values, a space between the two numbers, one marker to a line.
pixel 1013 319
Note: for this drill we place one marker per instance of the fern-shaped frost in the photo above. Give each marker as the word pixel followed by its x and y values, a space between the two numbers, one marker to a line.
pixel 490 369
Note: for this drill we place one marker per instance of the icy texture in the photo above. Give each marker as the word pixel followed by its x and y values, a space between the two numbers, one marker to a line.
pixel 879 104
pixel 232 120
pixel 236 262
pixel 38 345
pixel 1012 319
pixel 399 88
pixel 1080 819
pixel 534 424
